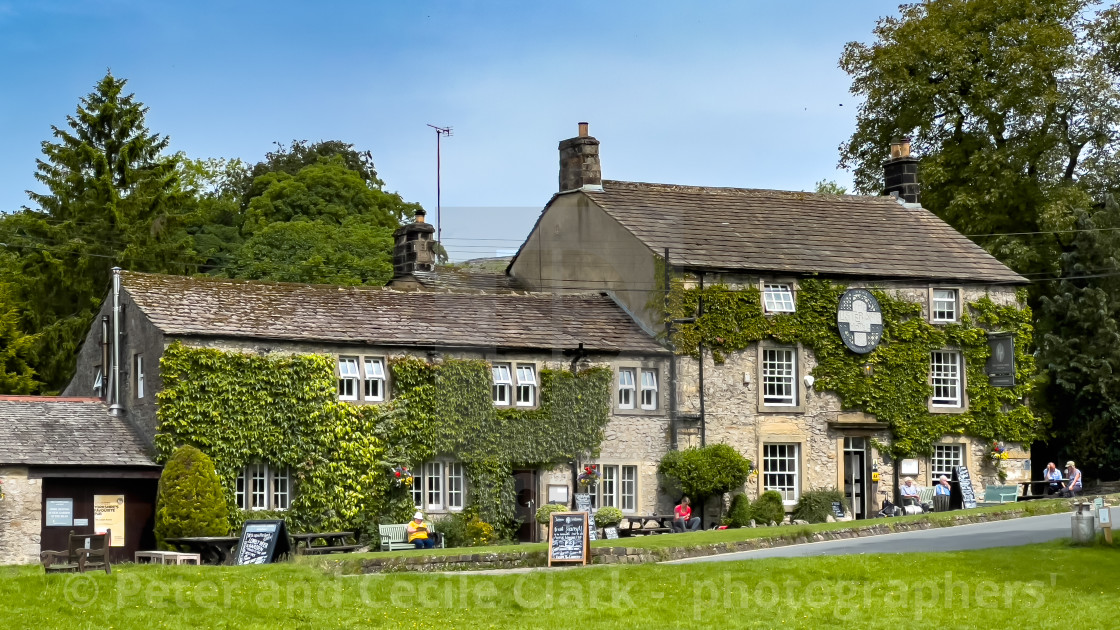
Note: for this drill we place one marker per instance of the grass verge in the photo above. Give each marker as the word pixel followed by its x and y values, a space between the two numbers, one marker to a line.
pixel 1052 585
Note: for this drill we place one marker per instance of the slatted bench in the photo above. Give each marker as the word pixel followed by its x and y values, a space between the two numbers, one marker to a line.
pixel 394 537
pixel 995 495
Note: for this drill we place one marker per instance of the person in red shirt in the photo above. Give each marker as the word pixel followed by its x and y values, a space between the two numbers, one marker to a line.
pixel 683 520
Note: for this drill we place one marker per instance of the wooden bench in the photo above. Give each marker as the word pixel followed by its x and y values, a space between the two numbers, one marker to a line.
pixel 995 495
pixel 84 552
pixel 334 542
pixel 394 537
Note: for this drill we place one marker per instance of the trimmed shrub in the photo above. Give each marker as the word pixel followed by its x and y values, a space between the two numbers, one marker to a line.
pixel 815 505
pixel 480 533
pixel 544 510
pixel 191 500
pixel 704 472
pixel 768 508
pixel 608 517
pixel 453 527
pixel 740 513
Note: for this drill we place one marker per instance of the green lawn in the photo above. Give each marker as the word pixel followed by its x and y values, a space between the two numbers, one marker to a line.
pixel 1039 586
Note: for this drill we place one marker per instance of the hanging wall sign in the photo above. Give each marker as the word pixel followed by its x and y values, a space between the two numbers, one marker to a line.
pixel 1001 362
pixel 860 320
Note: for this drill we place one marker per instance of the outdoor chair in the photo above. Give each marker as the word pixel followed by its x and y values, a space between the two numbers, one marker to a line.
pixel 84 552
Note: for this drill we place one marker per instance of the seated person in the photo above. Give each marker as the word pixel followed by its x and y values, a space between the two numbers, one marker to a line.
pixel 909 492
pixel 683 520
pixel 941 493
pixel 1073 486
pixel 418 532
pixel 1054 479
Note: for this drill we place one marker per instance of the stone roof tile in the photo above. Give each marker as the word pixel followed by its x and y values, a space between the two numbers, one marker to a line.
pixel 52 431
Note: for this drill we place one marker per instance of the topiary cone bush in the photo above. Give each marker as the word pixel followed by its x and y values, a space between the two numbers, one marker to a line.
pixel 740 512
pixel 191 499
pixel 768 508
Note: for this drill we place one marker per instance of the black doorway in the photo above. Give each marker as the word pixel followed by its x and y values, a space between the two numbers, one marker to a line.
pixel 525 489
pixel 855 475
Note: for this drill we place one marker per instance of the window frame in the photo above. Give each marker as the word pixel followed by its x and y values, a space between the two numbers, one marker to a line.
pixel 794 486
pixel 354 380
pixel 643 390
pixel 433 471
pixel 246 492
pixel 504 385
pixel 794 377
pixel 138 364
pixel 631 388
pixel 945 404
pixel 608 485
pixel 933 318
pixel 628 488
pixel 368 378
pixel 935 459
pixel 528 385
pixel 460 476
pixel 789 287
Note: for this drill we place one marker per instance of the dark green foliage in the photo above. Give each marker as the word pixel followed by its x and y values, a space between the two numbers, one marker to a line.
pixel 740 512
pixel 191 499
pixel 704 472
pixel 1081 345
pixel 768 508
pixel 816 505
pixel 16 350
pixel 898 392
pixel 454 528
pixel 284 410
pixel 112 198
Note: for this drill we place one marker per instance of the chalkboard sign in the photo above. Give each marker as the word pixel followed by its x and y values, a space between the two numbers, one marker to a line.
pixel 583 502
pixel 611 533
pixel 968 495
pixel 838 509
pixel 262 542
pixel 568 538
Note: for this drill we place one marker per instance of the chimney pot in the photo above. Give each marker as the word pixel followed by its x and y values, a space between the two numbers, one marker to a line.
pixel 900 173
pixel 579 161
pixel 420 214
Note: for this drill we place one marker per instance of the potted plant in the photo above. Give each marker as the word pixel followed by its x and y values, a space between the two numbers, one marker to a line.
pixel 608 517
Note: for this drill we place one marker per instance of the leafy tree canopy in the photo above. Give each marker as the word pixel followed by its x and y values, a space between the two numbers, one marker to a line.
pixel 703 472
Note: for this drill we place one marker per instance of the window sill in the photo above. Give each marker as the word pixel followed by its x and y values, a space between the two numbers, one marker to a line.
pixel 947 410
pixel 764 408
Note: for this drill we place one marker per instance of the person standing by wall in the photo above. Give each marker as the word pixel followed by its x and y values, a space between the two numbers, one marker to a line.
pixel 1073 486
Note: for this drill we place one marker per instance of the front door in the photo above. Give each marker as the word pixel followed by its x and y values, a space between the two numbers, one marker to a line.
pixel 855 485
pixel 525 489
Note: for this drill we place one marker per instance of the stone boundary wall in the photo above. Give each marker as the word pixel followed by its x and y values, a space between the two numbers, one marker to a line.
pixel 784 536
pixel 20 516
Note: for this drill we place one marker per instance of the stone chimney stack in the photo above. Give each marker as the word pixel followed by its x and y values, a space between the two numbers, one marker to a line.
pixel 579 162
pixel 900 173
pixel 413 247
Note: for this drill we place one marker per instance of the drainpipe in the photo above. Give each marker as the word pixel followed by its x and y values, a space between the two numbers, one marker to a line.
pixel 116 408
pixel 700 348
pixel 672 359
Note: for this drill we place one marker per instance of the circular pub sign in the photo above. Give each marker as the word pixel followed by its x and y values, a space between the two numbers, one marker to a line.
pixel 860 320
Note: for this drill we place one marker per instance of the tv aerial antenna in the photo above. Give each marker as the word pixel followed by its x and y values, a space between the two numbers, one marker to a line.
pixel 441 132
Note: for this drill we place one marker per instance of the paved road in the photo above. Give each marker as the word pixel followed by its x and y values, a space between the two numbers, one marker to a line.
pixel 1020 531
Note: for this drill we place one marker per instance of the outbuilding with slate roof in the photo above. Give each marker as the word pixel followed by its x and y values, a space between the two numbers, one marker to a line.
pixel 364 329
pixel 67 464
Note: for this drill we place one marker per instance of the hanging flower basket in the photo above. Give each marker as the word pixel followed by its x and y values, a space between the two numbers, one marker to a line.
pixel 590 476
pixel 998 451
pixel 403 476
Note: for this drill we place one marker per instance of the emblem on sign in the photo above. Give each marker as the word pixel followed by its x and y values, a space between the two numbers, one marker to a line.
pixel 860 320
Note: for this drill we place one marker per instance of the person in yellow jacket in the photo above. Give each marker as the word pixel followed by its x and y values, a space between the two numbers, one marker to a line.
pixel 419 533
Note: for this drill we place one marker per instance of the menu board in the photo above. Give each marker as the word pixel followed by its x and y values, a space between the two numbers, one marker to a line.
pixel 838 509
pixel 968 495
pixel 583 504
pixel 262 542
pixel 611 532
pixel 568 537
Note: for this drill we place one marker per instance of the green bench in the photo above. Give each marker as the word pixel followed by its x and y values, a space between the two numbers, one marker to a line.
pixel 995 495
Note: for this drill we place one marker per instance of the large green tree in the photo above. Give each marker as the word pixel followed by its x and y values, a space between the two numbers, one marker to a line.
pixel 1008 102
pixel 1014 109
pixel 111 198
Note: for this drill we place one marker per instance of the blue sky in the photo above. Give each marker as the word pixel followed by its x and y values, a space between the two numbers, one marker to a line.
pixel 726 94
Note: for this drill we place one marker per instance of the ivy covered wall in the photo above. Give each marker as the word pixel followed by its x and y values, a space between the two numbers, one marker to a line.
pixel 284 410
pixel 898 391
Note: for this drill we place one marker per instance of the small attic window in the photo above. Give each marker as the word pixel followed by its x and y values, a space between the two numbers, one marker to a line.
pixel 778 298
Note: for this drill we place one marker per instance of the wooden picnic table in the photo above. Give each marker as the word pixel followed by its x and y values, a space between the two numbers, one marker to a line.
pixel 636 524
pixel 212 549
pixel 1028 494
pixel 333 542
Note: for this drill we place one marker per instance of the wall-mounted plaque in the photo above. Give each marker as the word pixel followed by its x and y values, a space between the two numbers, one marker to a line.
pixel 860 320
pixel 60 512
